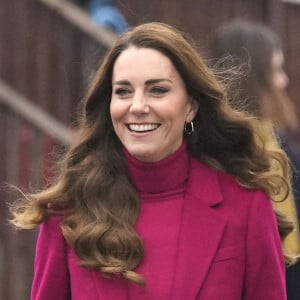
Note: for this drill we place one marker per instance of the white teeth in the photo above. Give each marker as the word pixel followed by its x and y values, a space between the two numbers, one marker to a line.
pixel 142 127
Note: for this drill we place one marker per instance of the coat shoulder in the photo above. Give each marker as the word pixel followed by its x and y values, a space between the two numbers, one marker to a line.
pixel 218 187
pixel 235 191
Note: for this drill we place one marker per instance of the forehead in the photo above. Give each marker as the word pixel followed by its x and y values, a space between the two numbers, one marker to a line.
pixel 143 62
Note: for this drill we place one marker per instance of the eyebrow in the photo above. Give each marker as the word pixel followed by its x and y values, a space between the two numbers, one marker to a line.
pixel 148 82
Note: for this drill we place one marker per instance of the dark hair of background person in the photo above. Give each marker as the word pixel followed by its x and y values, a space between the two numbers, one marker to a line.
pixel 94 192
pixel 251 46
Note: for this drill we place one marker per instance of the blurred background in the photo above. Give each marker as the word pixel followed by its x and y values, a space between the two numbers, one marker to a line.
pixel 49 50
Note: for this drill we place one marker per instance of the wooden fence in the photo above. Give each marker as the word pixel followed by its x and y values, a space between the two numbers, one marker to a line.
pixel 27 157
pixel 49 50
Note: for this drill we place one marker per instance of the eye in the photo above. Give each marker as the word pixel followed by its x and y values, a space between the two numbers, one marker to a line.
pixel 158 90
pixel 122 92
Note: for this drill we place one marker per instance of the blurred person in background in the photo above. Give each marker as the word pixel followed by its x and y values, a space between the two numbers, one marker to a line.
pixel 105 13
pixel 166 191
pixel 255 52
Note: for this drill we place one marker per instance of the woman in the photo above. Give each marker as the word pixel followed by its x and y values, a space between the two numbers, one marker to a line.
pixel 262 84
pixel 165 193
pixel 261 91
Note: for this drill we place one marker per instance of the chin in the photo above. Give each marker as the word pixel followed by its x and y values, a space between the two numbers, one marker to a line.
pixel 145 155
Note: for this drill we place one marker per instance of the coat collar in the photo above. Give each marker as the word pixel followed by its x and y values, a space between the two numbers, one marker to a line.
pixel 201 233
pixel 204 184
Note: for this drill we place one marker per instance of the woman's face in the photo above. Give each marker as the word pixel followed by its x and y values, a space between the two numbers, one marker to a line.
pixel 149 104
pixel 279 77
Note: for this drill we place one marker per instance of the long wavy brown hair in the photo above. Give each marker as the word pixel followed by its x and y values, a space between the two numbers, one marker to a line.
pixel 93 192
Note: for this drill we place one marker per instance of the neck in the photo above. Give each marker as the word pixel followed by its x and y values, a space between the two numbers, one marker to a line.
pixel 162 176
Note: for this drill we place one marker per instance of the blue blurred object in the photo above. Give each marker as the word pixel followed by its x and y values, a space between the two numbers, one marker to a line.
pixel 105 13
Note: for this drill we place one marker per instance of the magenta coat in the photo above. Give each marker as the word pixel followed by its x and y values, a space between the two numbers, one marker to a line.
pixel 229 249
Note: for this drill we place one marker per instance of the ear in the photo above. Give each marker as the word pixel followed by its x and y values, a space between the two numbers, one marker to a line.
pixel 193 110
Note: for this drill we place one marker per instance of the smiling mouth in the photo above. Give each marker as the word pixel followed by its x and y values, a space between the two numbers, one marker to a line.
pixel 142 127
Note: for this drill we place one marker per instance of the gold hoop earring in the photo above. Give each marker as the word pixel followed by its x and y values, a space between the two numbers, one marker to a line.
pixel 189 127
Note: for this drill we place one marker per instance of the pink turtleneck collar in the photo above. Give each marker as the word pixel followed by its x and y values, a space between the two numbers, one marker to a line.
pixel 167 175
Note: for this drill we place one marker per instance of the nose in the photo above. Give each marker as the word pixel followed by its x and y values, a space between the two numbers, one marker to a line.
pixel 139 104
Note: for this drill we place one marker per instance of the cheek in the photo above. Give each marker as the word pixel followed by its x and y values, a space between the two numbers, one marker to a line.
pixel 115 111
pixel 178 119
pixel 116 117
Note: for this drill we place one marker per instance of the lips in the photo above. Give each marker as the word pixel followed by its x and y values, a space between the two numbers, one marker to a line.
pixel 143 127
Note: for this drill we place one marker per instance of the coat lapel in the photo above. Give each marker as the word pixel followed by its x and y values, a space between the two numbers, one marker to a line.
pixel 201 233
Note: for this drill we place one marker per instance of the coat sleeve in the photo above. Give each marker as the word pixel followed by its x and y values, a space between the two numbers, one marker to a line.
pixel 265 268
pixel 51 275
